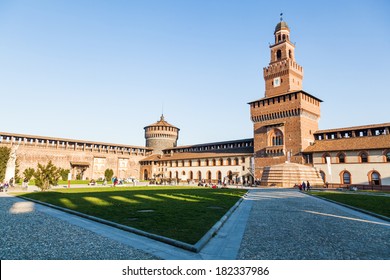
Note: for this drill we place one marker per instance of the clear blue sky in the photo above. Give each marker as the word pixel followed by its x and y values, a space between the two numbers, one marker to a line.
pixel 102 70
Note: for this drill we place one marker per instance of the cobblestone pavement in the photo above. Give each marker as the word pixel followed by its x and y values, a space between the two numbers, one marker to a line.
pixel 286 224
pixel 26 234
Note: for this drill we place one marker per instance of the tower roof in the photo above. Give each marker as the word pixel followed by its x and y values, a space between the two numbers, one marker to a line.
pixel 281 25
pixel 162 122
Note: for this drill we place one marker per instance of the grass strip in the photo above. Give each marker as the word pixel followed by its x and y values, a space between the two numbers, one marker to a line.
pixel 181 213
pixel 376 204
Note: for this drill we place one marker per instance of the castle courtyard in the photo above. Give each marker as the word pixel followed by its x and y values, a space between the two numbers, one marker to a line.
pixel 270 224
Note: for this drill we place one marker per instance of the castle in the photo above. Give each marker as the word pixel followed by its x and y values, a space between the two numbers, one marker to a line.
pixel 287 145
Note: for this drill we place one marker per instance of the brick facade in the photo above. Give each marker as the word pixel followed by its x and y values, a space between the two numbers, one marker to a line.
pixel 286 118
pixel 85 159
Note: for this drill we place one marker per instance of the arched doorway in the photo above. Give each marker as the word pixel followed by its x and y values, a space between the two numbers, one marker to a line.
pixel 146 176
pixel 199 176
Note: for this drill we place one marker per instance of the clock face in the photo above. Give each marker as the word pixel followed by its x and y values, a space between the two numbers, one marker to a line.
pixel 277 82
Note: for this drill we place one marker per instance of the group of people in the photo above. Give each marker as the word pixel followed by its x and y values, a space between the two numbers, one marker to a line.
pixel 4 186
pixel 304 186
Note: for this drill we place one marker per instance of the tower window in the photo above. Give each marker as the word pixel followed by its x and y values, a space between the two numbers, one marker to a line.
pixel 278 54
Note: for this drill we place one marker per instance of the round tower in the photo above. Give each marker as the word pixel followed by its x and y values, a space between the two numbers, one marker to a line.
pixel 161 135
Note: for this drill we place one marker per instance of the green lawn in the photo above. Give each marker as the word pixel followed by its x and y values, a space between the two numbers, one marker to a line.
pixel 373 203
pixel 181 213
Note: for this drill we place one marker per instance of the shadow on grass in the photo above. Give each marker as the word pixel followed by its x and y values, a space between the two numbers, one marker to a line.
pixel 180 213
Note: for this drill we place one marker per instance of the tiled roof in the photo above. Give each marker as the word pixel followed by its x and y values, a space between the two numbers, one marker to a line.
pixel 362 127
pixel 211 144
pixel 350 144
pixel 161 122
pixel 183 156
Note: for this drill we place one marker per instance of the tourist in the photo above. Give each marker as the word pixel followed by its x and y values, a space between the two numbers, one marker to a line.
pixel 308 186
pixel 304 186
pixel 25 182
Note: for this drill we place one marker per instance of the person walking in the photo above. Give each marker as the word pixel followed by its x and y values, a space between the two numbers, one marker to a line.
pixel 304 186
pixel 308 185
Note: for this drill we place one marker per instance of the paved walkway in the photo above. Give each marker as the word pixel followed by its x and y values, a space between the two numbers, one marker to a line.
pixel 269 224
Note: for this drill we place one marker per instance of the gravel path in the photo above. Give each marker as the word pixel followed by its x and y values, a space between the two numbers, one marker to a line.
pixel 286 224
pixel 27 234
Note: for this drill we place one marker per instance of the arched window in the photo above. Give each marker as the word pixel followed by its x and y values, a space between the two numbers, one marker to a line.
pixel 214 162
pixel 170 174
pixel 323 176
pixel 278 55
pixel 374 178
pixel 363 156
pixel 207 162
pixel 229 161
pixel 324 156
pixel 289 54
pixel 345 177
pixel 387 156
pixel 284 37
pixel 341 158
pixel 199 162
pixel 208 175
pixel 236 161
pixel 177 175
pixel 191 175
pixel 275 137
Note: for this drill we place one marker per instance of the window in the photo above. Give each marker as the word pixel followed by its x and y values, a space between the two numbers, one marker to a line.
pixel 375 178
pixel 323 176
pixel 387 156
pixel 278 55
pixel 275 137
pixel 363 157
pixel 346 177
pixel 341 158
pixel 324 156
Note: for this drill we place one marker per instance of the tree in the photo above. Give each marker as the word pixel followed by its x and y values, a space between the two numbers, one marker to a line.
pixel 28 173
pixel 64 173
pixel 46 176
pixel 108 174
pixel 4 156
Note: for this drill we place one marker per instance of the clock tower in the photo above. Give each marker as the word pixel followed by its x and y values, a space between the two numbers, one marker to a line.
pixel 282 74
pixel 286 118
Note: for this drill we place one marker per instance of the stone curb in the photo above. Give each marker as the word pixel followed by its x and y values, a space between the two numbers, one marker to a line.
pixel 387 219
pixel 211 233
pixel 193 248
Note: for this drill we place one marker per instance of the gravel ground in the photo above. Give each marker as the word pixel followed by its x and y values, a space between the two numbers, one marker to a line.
pixel 288 225
pixel 27 234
